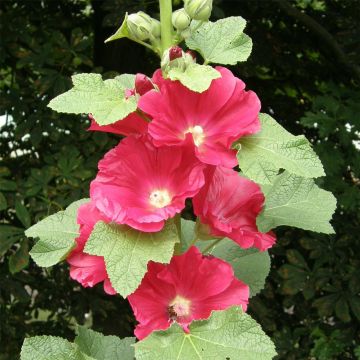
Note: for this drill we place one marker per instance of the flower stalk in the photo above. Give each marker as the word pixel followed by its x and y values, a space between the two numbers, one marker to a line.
pixel 166 24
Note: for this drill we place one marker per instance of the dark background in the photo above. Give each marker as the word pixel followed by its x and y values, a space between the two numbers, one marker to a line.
pixel 304 67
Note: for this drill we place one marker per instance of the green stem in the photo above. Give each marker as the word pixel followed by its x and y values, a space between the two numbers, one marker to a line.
pixel 166 25
pixel 207 249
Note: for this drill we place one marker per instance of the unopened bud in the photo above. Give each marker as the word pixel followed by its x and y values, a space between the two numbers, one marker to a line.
pixel 198 9
pixel 140 25
pixel 143 84
pixel 180 19
pixel 191 53
pixel 175 57
pixel 175 52
pixel 156 28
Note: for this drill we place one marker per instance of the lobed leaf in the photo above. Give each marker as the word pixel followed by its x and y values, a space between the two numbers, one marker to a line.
pixel 229 334
pixel 50 348
pixel 261 155
pixel 195 77
pixel 127 251
pixel 105 100
pixel 101 347
pixel 88 345
pixel 221 42
pixel 296 201
pixel 57 234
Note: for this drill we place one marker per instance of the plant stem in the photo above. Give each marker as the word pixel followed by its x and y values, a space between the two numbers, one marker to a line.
pixel 166 25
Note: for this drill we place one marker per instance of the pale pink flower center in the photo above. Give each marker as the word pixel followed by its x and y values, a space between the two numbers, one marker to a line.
pixel 179 307
pixel 197 133
pixel 160 198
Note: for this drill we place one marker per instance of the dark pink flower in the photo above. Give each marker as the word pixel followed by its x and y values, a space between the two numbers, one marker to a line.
pixel 141 185
pixel 88 270
pixel 215 118
pixel 132 124
pixel 187 289
pixel 229 204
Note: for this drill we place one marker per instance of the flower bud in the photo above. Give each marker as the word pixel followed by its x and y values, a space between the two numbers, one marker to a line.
pixel 155 28
pixel 175 52
pixel 175 57
pixel 140 25
pixel 180 19
pixel 143 84
pixel 192 54
pixel 198 9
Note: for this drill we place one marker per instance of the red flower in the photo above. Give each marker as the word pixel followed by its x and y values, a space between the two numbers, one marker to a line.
pixel 187 289
pixel 88 270
pixel 230 204
pixel 141 185
pixel 214 118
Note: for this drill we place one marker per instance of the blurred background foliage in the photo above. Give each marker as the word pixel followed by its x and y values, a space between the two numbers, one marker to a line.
pixel 304 67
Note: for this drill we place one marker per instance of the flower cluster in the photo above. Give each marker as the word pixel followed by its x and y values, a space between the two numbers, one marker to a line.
pixel 177 146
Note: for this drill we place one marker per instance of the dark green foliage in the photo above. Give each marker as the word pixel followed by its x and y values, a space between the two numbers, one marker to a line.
pixel 311 304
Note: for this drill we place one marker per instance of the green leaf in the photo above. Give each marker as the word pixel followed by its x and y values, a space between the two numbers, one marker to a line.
pixel 3 202
pixel 196 77
pixel 105 100
pixel 50 348
pixel 261 155
pixel 229 334
pixel 121 32
pixel 101 347
pixel 22 213
pixel 20 259
pixel 9 235
pixel 250 265
pixel 127 251
pixel 222 42
pixel 126 80
pixel 187 233
pixel 57 235
pixel 296 201
pixel 7 185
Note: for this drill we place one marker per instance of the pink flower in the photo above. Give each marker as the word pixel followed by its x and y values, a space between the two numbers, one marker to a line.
pixel 229 204
pixel 132 124
pixel 88 270
pixel 141 185
pixel 215 118
pixel 187 289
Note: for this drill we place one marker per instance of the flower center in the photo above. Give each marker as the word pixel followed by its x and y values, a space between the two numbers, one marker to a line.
pixel 179 307
pixel 197 134
pixel 160 198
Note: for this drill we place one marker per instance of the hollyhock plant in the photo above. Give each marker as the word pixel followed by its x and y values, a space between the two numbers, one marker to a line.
pixel 88 270
pixel 179 128
pixel 215 118
pixel 187 289
pixel 229 205
pixel 141 185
